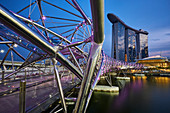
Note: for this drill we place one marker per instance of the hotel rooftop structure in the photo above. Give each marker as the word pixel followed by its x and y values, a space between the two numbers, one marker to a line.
pixel 128 43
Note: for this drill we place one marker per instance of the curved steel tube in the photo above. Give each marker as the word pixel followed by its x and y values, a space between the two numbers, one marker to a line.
pixel 11 21
pixel 97 7
pixel 48 30
pixel 95 81
pixel 81 11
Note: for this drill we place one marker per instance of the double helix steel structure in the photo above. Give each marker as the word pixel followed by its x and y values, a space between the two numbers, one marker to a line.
pixel 61 31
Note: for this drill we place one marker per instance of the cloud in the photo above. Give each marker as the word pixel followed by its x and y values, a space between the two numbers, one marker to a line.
pixel 162 53
pixel 168 34
pixel 158 41
pixel 154 39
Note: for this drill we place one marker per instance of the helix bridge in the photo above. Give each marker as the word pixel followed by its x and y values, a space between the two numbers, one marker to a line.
pixel 62 32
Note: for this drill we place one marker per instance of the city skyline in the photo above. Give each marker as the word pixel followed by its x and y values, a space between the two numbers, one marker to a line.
pixel 149 15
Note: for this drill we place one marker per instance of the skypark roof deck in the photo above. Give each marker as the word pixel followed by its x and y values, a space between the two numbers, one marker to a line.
pixel 113 19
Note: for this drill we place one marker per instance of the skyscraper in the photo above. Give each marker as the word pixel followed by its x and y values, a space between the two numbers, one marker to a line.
pixel 118 40
pixel 128 44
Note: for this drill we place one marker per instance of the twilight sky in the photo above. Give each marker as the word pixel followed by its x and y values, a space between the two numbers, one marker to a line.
pixel 150 15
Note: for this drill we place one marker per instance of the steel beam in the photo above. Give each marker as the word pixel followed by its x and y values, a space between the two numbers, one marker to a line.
pixel 81 11
pixel 15 24
pixel 48 30
pixel 6 42
pixel 97 7
pixel 75 60
pixel 13 49
pixel 59 86
pixel 86 82
pixel 95 82
pixel 41 14
pixel 2 62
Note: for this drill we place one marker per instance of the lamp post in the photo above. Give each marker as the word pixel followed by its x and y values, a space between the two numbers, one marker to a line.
pixel 2 51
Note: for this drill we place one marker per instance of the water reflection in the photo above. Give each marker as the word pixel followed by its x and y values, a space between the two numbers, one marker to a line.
pixel 120 83
pixel 140 95
pixel 101 102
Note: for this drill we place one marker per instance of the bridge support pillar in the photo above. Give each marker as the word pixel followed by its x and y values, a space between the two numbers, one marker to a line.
pixel 22 97
pixel 3 73
pixel 97 8
pixel 59 86
pixel 86 82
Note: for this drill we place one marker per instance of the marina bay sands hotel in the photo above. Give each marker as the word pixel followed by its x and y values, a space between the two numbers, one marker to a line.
pixel 128 43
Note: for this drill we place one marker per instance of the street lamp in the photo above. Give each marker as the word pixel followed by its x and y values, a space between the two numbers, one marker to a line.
pixel 43 17
pixel 15 45
pixel 2 51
